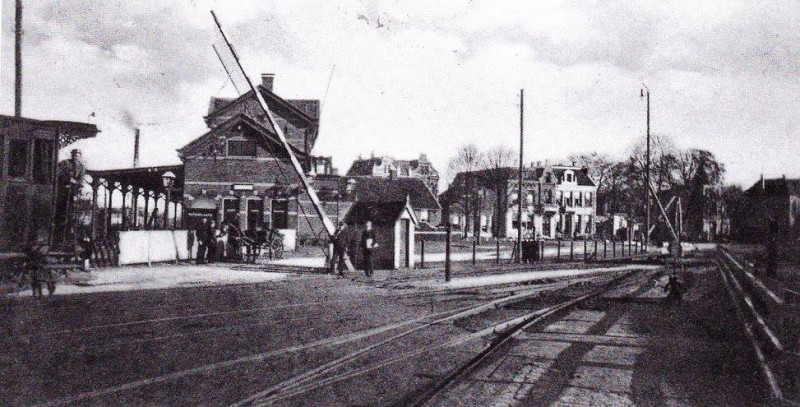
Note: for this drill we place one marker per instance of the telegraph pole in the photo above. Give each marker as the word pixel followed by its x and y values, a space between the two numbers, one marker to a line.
pixel 646 92
pixel 18 61
pixel 519 174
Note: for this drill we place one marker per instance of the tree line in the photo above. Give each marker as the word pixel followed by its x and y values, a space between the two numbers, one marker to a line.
pixel 694 175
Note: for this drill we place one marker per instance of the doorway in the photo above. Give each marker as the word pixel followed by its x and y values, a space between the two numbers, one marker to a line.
pixel 404 243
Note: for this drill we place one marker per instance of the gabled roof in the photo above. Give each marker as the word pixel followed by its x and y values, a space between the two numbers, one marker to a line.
pixel 239 119
pixel 379 213
pixel 363 167
pixel 278 105
pixel 377 189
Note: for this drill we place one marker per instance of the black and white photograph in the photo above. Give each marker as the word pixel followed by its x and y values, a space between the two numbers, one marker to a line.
pixel 400 203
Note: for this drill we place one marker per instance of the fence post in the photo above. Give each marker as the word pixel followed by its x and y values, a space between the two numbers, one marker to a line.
pixel 613 249
pixel 623 248
pixel 595 250
pixel 474 245
pixel 540 247
pixel 447 253
pixel 558 251
pixel 571 250
pixel 584 250
pixel 497 251
pixel 605 248
pixel 422 253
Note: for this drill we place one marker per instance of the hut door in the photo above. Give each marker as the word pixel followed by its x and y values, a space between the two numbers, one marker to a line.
pixel 403 242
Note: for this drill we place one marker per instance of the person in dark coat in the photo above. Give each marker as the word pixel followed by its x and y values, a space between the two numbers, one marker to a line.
pixel 211 241
pixel 368 245
pixel 201 234
pixel 674 289
pixel 35 262
pixel 339 250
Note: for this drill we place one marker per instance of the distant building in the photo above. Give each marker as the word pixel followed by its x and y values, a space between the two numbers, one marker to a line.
pixel 388 167
pixel 338 193
pixel 776 198
pixel 558 201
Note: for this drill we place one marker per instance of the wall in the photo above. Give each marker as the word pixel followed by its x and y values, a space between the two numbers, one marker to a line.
pixel 144 246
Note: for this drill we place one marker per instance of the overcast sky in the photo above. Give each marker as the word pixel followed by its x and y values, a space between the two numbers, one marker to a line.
pixel 417 77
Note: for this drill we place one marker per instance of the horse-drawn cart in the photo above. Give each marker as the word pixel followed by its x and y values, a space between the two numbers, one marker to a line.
pixel 258 241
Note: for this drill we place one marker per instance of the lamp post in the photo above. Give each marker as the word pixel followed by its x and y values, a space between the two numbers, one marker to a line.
pixel 645 92
pixel 168 180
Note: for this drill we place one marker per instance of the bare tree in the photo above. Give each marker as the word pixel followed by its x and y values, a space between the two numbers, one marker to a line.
pixel 498 161
pixel 468 159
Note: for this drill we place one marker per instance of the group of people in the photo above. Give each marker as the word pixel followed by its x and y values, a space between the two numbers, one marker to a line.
pixel 367 245
pixel 207 235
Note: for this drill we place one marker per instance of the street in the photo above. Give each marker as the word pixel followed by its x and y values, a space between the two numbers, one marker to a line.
pixel 217 345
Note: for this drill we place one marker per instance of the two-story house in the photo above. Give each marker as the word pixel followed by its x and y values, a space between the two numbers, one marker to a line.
pixel 389 167
pixel 557 201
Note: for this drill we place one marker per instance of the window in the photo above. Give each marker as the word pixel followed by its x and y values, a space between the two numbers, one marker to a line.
pixel 18 158
pixel 588 199
pixel 43 161
pixel 242 148
pixel 548 196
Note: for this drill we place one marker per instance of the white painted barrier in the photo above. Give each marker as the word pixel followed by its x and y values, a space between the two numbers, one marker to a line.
pixel 146 246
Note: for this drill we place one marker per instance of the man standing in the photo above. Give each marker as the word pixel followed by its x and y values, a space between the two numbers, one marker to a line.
pixel 368 244
pixel 339 247
pixel 201 233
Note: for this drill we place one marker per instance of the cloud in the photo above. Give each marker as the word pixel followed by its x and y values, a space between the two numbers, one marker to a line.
pixel 425 76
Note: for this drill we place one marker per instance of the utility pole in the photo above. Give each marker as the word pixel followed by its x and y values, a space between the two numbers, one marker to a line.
pixel 646 92
pixel 519 174
pixel 18 61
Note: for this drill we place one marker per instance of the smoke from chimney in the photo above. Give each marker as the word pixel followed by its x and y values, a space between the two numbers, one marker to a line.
pixel 136 148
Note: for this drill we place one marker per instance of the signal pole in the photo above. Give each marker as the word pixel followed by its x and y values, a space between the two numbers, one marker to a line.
pixel 646 93
pixel 519 174
pixel 18 60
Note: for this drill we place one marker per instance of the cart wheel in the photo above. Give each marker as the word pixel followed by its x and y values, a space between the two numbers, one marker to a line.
pixel 277 248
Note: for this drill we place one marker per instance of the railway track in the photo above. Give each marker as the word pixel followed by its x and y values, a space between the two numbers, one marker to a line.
pixel 497 319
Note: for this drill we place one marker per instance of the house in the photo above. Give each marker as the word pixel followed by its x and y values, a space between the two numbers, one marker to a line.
pixel 338 193
pixel 557 201
pixel 777 199
pixel 393 223
pixel 28 176
pixel 238 172
pixel 389 167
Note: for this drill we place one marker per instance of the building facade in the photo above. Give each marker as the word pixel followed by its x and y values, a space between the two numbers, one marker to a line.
pixel 389 167
pixel 238 172
pixel 557 202
pixel 776 199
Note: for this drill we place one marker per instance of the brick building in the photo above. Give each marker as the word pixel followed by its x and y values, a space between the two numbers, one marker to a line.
pixel 239 172
pixel 558 201
pixel 388 167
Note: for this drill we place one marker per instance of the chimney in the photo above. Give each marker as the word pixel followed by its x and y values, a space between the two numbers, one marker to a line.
pixel 267 80
pixel 136 148
pixel 762 182
pixel 538 164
